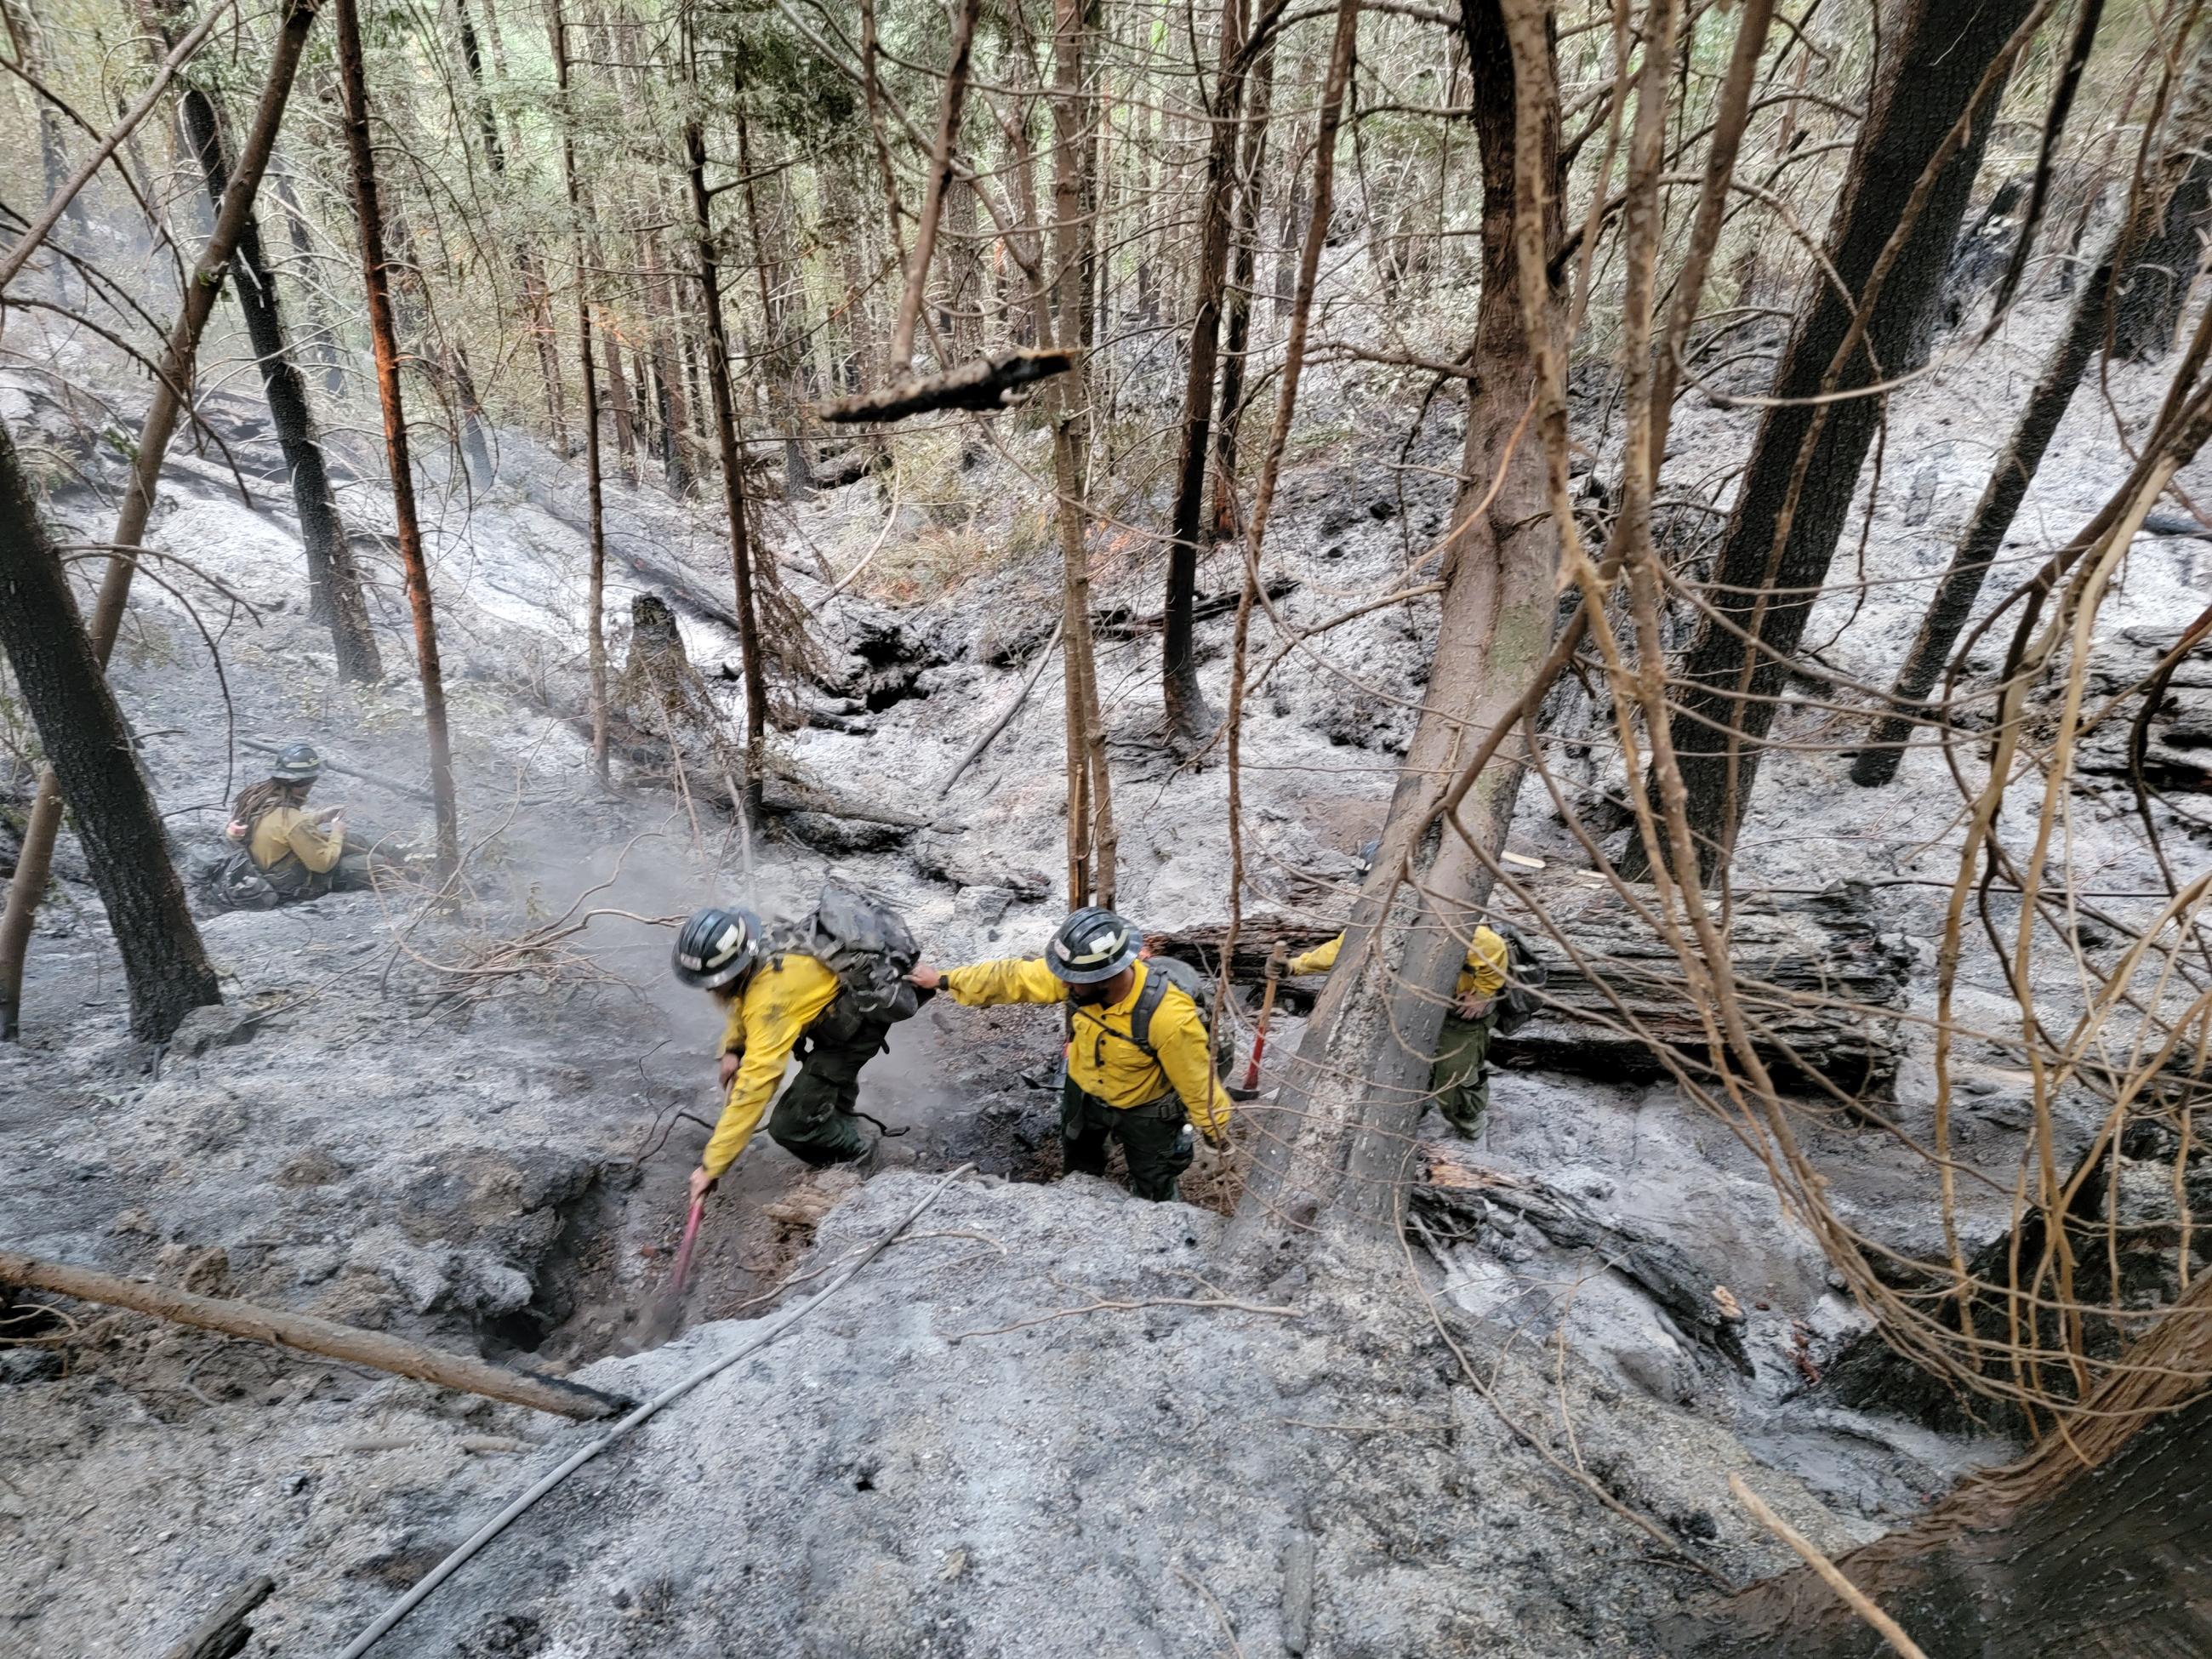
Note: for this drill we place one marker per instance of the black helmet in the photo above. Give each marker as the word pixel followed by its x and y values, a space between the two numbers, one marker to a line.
pixel 299 764
pixel 1367 849
pixel 1092 947
pixel 715 946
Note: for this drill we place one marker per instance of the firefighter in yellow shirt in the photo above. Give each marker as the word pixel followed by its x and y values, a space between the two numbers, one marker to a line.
pixel 302 854
pixel 1459 1079
pixel 1140 1066
pixel 778 1000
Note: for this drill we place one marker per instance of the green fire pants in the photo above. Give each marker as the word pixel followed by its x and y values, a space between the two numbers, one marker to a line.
pixel 1152 1139
pixel 1460 1078
pixel 813 1121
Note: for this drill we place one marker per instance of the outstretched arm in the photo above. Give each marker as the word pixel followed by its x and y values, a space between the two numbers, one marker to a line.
pixel 1320 959
pixel 986 984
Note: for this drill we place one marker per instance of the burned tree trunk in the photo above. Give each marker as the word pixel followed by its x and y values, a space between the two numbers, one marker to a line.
pixel 88 745
pixel 1094 846
pixel 1236 299
pixel 376 280
pixel 1876 764
pixel 1935 98
pixel 1336 1141
pixel 2095 1545
pixel 595 594
pixel 2167 249
pixel 1187 717
pixel 2101 303
pixel 333 582
pixel 733 473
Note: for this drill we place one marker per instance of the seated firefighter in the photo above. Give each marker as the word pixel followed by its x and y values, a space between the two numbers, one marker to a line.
pixel 829 988
pixel 1140 1066
pixel 302 854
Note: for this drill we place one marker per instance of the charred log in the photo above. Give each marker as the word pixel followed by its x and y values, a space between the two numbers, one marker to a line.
pixel 988 384
pixel 1819 981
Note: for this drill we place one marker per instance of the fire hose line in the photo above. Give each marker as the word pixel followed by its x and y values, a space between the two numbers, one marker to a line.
pixel 776 1327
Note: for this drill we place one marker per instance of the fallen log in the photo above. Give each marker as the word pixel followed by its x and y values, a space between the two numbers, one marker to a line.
pixel 1458 1200
pixel 1119 622
pixel 375 1349
pixel 225 1631
pixel 782 795
pixel 985 383
pixel 854 468
pixel 380 779
pixel 1822 987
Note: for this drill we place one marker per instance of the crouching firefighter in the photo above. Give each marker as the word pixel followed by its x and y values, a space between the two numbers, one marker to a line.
pixel 1140 1066
pixel 829 989
pixel 299 852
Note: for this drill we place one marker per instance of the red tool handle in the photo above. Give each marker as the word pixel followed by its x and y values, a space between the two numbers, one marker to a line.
pixel 1259 1026
pixel 684 1250
pixel 1252 1069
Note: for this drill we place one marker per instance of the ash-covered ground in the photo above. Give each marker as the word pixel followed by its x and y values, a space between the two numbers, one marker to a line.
pixel 397 1121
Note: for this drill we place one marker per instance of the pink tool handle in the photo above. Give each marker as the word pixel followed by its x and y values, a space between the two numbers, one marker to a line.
pixel 684 1250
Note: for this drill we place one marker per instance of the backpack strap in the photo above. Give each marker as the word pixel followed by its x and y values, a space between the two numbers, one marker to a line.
pixel 1156 987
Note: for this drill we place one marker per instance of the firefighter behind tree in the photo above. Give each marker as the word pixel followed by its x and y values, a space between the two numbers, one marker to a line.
pixel 302 854
pixel 1139 1063
pixel 778 1001
pixel 1459 1079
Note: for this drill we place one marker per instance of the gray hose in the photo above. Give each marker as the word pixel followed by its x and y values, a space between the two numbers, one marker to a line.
pixel 777 1325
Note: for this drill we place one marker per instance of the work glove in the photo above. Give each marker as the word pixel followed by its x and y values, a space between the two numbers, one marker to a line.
pixel 1209 1158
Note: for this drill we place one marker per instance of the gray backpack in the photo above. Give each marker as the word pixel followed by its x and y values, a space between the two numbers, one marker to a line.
pixel 237 884
pixel 1525 975
pixel 861 939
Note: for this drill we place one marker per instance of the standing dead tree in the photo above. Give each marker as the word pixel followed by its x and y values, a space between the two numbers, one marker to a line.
pixel 730 451
pixel 1237 296
pixel 163 411
pixel 2165 250
pixel 1189 717
pixel 1936 87
pixel 353 80
pixel 595 594
pixel 334 592
pixel 87 747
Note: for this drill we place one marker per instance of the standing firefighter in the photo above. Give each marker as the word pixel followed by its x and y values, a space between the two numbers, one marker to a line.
pixel 1481 1001
pixel 300 855
pixel 1140 1066
pixel 829 988
pixel 1460 1080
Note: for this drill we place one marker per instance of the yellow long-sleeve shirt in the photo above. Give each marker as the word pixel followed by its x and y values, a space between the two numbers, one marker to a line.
pixel 285 832
pixel 1103 1058
pixel 784 997
pixel 1484 974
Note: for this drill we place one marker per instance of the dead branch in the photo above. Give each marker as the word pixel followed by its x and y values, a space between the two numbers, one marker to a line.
pixel 309 1334
pixel 987 384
